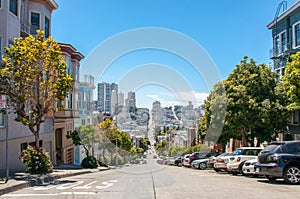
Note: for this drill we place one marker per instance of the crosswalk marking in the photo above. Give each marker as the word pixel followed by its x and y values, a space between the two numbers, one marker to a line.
pixel 75 185
pixel 87 186
pixel 68 186
pixel 106 184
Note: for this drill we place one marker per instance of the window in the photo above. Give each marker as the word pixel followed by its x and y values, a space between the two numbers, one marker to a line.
pixel 33 143
pixel 295 117
pixel 10 42
pixel 77 72
pixel 280 43
pixel 13 7
pixel 2 119
pixel 69 101
pixel 47 27
pixel 69 67
pixel 296 34
pixel 23 146
pixel 34 22
pixel 69 130
pixel 283 41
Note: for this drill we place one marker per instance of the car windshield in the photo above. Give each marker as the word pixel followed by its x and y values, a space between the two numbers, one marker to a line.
pixel 237 152
pixel 270 148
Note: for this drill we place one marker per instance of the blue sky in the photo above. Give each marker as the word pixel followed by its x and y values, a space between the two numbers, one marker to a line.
pixel 227 30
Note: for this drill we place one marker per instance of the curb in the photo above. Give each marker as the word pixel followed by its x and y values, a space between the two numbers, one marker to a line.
pixel 43 179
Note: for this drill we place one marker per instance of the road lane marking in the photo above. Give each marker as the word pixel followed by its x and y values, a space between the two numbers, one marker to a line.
pixel 49 194
pixel 87 186
pixel 44 188
pixel 106 184
pixel 78 193
pixel 29 195
pixel 67 186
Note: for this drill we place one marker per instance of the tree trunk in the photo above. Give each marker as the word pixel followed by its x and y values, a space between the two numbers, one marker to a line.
pixel 244 137
pixel 37 139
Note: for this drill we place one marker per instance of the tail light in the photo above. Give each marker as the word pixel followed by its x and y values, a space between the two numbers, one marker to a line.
pixel 192 158
pixel 238 159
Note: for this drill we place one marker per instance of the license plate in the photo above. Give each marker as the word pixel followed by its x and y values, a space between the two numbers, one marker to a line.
pixel 257 170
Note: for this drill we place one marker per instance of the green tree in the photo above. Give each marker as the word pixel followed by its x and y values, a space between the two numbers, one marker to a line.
pixel 291 82
pixel 212 123
pixel 255 108
pixel 34 77
pixel 86 136
pixel 125 141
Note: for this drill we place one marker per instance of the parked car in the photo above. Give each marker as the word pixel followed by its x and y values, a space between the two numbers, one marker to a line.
pixel 280 160
pixel 239 157
pixel 178 161
pixel 198 155
pixel 212 160
pixel 186 159
pixel 171 161
pixel 248 167
pixel 221 162
pixel 200 164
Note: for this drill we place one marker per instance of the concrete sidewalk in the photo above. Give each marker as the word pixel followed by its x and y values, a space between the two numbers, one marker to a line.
pixel 23 180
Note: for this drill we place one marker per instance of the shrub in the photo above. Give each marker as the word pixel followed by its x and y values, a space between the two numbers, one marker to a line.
pixel 36 160
pixel 89 162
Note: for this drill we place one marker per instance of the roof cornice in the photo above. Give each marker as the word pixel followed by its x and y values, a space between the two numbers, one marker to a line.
pixel 283 15
pixel 51 4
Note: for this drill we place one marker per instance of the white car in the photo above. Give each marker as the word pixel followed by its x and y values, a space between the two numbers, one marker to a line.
pixel 248 167
pixel 186 159
pixel 239 157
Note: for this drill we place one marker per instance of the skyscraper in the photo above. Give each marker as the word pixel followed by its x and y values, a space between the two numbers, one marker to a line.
pixel 107 97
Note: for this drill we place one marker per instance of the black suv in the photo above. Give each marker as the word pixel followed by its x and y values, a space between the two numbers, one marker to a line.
pixel 280 160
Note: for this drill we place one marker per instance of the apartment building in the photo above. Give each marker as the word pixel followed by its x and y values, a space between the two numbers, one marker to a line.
pixel 285 29
pixel 65 121
pixel 21 18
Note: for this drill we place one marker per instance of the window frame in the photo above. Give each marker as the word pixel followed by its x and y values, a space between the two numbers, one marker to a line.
pixel 2 116
pixel 280 43
pixel 31 24
pixel 69 101
pixel 294 35
pixel 10 42
pixel 14 12
pixel 47 33
pixel 294 118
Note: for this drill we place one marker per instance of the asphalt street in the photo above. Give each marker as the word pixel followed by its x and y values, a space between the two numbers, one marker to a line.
pixel 152 180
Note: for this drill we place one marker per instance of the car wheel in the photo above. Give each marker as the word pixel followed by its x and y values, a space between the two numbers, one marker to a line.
pixel 202 166
pixel 271 178
pixel 291 175
pixel 241 169
pixel 234 173
pixel 217 170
